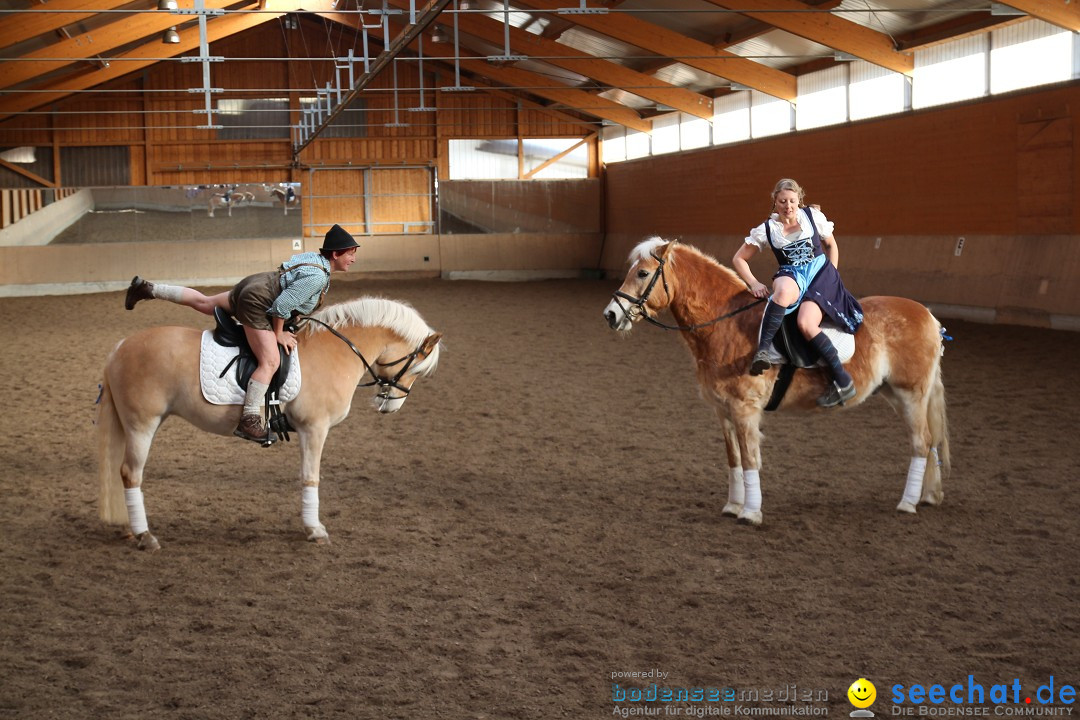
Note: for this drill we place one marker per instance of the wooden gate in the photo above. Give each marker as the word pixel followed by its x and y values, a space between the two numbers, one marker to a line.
pixel 370 200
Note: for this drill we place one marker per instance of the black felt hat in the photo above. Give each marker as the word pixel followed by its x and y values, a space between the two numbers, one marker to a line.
pixel 338 239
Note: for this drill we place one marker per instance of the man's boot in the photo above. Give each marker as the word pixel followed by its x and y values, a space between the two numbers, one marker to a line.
pixel 251 426
pixel 138 290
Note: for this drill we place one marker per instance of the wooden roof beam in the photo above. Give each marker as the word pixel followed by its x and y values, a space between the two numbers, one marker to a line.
pixel 697 54
pixel 953 29
pixel 825 28
pixel 146 55
pixel 125 29
pixel 18 26
pixel 602 71
pixel 1056 12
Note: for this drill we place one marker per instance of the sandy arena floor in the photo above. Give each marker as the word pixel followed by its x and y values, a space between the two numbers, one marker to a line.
pixel 543 513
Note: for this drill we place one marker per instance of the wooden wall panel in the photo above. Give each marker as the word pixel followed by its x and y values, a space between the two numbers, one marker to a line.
pixel 469 115
pixel 26 130
pixel 400 197
pixel 221 177
pixel 334 196
pixel 91 121
pixel 264 41
pixel 368 151
pixel 220 155
pixel 173 120
pixel 536 123
pixel 947 170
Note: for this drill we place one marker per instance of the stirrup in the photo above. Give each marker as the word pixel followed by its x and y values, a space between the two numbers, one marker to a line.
pixel 760 363
pixel 836 395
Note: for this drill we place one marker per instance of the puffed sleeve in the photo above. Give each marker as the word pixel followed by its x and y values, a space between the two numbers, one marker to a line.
pixel 824 225
pixel 757 237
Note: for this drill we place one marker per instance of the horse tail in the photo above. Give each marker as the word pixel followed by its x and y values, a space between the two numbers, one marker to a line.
pixel 939 464
pixel 939 424
pixel 111 445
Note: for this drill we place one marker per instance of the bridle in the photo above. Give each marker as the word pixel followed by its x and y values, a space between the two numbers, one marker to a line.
pixel 385 385
pixel 637 304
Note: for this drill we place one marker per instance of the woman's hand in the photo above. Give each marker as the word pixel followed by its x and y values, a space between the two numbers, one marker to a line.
pixel 286 340
pixel 758 290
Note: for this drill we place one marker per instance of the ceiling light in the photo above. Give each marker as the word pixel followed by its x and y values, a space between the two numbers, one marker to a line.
pixel 439 35
pixel 167 5
pixel 843 57
pixel 170 36
pixel 465 5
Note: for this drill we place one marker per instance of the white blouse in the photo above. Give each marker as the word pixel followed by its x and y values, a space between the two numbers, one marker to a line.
pixel 757 235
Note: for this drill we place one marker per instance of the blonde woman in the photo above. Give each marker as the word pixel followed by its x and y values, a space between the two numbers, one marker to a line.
pixel 807 282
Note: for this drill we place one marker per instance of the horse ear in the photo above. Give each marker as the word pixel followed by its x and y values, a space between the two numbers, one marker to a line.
pixel 430 343
pixel 668 248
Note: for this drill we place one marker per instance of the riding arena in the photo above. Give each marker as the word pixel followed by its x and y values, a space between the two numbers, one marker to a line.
pixel 523 469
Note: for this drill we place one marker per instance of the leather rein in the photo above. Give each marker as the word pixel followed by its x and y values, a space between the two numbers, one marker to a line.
pixel 637 304
pixel 384 384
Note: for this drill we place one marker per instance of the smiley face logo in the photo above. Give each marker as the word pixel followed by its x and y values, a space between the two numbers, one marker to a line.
pixel 862 693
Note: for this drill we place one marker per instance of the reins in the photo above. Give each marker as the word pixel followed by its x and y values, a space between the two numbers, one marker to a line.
pixel 383 383
pixel 639 302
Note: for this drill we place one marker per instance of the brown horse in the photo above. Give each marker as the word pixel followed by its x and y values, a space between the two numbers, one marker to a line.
pixel 897 354
pixel 155 373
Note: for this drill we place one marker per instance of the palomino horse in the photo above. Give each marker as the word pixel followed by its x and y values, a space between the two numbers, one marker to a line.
pixel 286 197
pixel 897 354
pixel 227 200
pixel 155 373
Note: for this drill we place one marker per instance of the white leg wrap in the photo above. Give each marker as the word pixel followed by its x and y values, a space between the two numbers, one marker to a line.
pixel 309 506
pixel 172 293
pixel 752 484
pixel 136 511
pixel 913 487
pixel 736 493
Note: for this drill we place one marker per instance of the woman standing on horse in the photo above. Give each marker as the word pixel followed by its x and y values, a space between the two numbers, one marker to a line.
pixel 262 303
pixel 807 281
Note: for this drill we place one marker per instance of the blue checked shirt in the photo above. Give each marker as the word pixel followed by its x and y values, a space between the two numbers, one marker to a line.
pixel 301 287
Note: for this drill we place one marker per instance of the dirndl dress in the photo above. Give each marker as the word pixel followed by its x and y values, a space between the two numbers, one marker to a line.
pixel 805 262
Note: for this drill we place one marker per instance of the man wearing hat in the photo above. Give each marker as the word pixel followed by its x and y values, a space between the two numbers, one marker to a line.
pixel 262 303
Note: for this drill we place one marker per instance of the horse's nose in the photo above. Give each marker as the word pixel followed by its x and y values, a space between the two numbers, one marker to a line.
pixel 609 315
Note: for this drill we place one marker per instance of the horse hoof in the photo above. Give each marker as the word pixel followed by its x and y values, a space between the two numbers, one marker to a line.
pixel 934 498
pixel 318 535
pixel 148 542
pixel 750 517
pixel 906 507
pixel 731 510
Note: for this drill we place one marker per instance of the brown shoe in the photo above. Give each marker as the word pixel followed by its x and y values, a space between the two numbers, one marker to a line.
pixel 252 428
pixel 138 290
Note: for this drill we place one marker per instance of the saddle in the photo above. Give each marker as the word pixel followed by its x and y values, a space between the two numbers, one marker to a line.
pixel 793 351
pixel 229 333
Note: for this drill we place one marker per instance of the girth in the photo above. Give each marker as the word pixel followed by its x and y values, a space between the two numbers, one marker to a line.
pixel 799 352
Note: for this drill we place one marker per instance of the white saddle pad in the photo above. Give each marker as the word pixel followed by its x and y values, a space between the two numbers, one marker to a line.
pixel 225 390
pixel 844 343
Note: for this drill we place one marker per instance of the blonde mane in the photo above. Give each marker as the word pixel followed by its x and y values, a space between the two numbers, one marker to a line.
pixel 381 312
pixel 647 247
